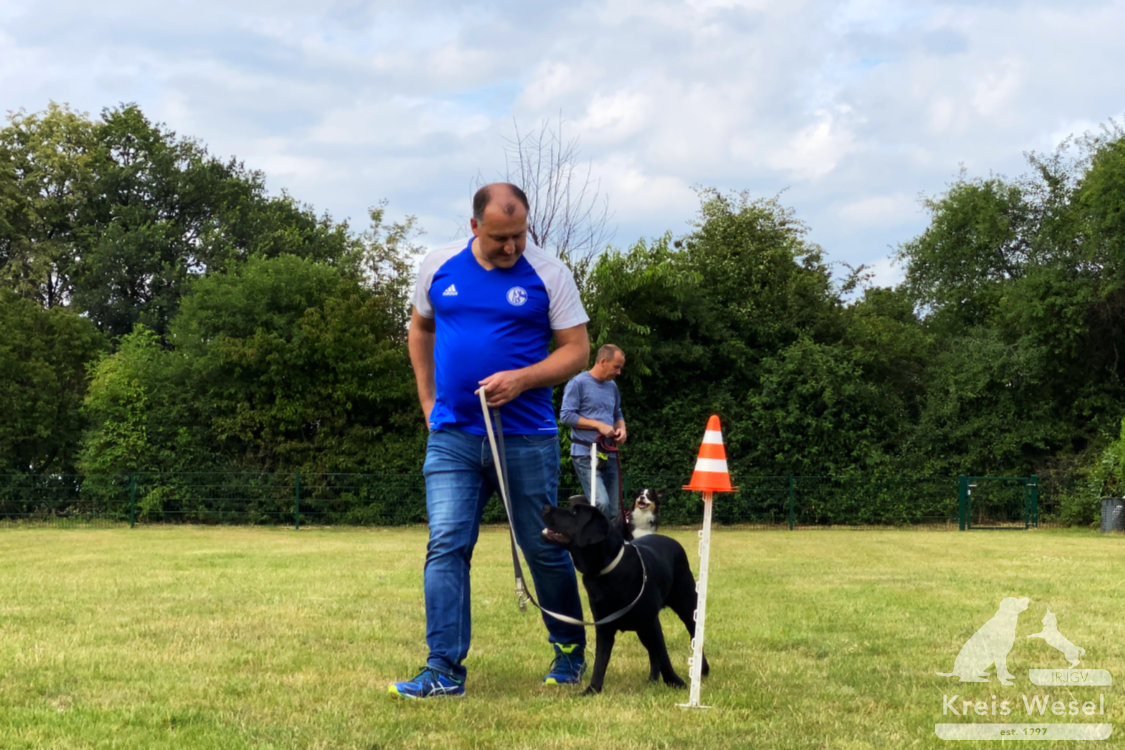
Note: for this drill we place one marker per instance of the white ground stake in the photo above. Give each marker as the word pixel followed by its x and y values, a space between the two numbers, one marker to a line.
pixel 700 607
pixel 593 474
pixel 710 476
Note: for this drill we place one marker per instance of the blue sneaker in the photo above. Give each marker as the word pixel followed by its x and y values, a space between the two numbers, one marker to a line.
pixel 429 684
pixel 568 667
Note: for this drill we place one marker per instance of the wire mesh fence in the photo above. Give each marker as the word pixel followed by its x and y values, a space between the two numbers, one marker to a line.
pixel 298 499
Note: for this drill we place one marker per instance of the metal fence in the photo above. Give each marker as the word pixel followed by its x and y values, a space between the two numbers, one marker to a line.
pixel 292 499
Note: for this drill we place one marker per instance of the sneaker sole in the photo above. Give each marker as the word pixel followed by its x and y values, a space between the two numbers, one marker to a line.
pixel 393 690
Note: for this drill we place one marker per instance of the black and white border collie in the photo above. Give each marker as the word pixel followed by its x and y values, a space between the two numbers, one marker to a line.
pixel 644 516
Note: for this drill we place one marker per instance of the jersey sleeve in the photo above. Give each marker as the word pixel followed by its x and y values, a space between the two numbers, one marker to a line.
pixel 566 310
pixel 429 266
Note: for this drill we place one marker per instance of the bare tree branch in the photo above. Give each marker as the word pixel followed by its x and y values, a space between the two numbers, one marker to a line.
pixel 568 213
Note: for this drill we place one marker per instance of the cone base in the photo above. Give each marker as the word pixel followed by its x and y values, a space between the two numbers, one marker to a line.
pixel 692 488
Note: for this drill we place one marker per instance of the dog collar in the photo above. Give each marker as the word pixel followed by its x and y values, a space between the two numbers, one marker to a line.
pixel 609 568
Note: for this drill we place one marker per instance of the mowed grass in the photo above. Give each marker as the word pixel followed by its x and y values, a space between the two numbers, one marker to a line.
pixel 202 637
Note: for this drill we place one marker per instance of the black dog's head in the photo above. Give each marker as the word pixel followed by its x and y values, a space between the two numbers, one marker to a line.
pixel 585 532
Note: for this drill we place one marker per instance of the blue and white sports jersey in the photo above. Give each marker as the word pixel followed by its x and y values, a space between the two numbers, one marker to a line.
pixel 489 321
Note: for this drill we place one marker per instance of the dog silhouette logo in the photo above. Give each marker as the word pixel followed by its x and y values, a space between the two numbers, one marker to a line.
pixel 1050 633
pixel 990 645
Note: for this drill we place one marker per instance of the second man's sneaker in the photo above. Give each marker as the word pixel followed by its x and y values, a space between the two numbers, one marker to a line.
pixel 568 667
pixel 429 684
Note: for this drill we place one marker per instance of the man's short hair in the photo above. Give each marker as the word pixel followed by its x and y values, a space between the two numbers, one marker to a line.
pixel 607 352
pixel 484 196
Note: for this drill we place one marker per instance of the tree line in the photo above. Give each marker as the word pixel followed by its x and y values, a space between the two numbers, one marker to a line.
pixel 161 312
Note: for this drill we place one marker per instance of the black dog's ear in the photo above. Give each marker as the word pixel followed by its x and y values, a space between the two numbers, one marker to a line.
pixel 593 527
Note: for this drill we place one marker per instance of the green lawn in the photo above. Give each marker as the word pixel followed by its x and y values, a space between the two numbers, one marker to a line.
pixel 201 637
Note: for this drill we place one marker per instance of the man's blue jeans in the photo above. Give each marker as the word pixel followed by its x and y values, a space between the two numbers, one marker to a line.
pixel 460 478
pixel 607 499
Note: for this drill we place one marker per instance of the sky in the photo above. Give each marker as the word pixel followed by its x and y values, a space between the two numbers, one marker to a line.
pixel 848 112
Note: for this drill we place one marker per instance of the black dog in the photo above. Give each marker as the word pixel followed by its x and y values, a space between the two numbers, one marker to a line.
pixel 644 517
pixel 629 582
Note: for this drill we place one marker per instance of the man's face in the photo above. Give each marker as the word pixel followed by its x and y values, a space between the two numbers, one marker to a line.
pixel 609 369
pixel 500 237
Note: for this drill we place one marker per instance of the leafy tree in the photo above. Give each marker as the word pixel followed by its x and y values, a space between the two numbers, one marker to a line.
pixel 817 414
pixel 45 183
pixel 976 241
pixel 143 412
pixel 281 364
pixel 388 253
pixel 163 212
pixel 641 300
pixel 646 302
pixel 892 349
pixel 982 413
pixel 1099 203
pixel 699 317
pixel 764 284
pixel 116 216
pixel 43 355
pixel 299 367
pixel 1026 275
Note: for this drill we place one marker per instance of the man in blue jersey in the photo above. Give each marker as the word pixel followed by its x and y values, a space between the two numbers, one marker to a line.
pixel 591 407
pixel 484 313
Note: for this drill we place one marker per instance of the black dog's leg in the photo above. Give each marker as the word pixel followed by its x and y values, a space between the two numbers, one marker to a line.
pixel 606 636
pixel 652 638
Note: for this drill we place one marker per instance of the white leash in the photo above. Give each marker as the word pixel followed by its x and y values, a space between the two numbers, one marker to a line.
pixel 594 473
pixel 523 594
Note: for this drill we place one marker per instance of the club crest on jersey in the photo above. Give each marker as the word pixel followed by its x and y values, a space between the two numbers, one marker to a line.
pixel 517 296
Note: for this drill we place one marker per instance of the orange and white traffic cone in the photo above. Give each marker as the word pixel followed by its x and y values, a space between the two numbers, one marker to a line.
pixel 710 476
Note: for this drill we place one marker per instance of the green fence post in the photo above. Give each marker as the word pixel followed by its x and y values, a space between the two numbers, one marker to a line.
pixel 962 500
pixel 297 501
pixel 1033 499
pixel 792 501
pixel 132 501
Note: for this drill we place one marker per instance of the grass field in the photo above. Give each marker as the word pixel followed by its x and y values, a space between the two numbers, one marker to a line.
pixel 228 637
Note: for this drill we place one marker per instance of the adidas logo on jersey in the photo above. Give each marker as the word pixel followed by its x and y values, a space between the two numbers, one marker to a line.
pixel 450 291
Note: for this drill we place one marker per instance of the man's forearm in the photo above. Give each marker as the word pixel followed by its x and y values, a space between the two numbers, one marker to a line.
pixel 568 359
pixel 560 366
pixel 420 344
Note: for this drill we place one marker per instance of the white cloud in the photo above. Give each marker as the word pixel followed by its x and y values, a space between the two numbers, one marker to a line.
pixel 884 210
pixel 847 110
pixel 885 272
pixel 995 96
pixel 816 149
pixel 616 116
pixel 644 199
pixel 554 80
